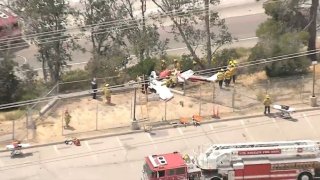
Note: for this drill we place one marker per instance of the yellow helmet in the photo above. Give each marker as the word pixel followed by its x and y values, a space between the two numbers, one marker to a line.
pixel 194 62
pixel 163 60
pixel 267 96
pixel 175 60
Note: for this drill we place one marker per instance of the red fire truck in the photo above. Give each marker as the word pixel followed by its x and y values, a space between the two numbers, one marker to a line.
pixel 290 160
pixel 9 25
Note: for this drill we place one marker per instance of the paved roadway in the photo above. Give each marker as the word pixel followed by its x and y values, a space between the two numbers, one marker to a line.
pixel 121 157
pixel 249 13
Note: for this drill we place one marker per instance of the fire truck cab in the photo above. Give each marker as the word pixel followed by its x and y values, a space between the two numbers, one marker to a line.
pixel 171 166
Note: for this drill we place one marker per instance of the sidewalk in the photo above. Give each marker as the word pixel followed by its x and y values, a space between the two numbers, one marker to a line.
pixel 160 125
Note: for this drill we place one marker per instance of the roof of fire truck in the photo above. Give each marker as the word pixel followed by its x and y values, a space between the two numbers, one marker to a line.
pixel 7 16
pixel 259 145
pixel 165 161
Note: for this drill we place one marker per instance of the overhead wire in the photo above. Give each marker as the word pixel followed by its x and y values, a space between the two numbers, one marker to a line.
pixel 257 62
pixel 66 37
pixel 102 24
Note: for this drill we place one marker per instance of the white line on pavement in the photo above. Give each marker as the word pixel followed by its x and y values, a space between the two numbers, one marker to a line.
pixel 153 144
pixel 88 146
pixel 246 130
pixel 211 127
pixel 56 149
pixel 279 129
pixel 180 131
pixel 310 125
pixel 122 146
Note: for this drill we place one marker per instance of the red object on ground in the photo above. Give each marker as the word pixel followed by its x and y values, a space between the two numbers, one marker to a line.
pixel 165 74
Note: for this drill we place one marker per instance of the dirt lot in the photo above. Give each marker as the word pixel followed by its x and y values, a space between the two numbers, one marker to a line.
pixel 90 116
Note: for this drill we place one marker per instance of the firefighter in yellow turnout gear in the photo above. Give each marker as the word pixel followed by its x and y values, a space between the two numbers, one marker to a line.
pixel 177 65
pixel 227 77
pixel 267 102
pixel 107 93
pixel 233 71
pixel 220 77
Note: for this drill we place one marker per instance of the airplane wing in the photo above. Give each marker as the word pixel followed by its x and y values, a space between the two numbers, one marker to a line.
pixel 212 78
pixel 185 75
pixel 162 90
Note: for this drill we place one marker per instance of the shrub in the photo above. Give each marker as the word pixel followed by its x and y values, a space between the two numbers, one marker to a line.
pixel 81 76
pixel 142 68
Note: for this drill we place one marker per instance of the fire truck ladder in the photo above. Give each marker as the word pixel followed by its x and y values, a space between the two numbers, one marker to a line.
pixel 290 145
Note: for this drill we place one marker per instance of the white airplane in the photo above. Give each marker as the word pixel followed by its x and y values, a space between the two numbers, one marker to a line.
pixel 164 92
pixel 161 89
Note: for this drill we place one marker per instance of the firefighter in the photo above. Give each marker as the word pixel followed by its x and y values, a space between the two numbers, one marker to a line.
pixel 163 65
pixel 233 69
pixel 232 61
pixel 194 66
pixel 220 77
pixel 227 77
pixel 267 102
pixel 177 65
pixel 67 117
pixel 173 79
pixel 107 93
pixel 94 87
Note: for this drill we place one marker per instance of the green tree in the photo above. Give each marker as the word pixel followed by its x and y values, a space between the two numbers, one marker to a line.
pixel 282 34
pixel 9 82
pixel 49 19
pixel 143 37
pixel 186 16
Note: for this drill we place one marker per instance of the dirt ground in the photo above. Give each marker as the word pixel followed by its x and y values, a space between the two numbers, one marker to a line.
pixel 90 116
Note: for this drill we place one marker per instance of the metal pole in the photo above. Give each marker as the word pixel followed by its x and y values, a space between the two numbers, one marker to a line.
pixel 200 101
pixel 233 97
pixel 165 110
pixel 13 123
pixel 314 79
pixel 134 104
pixel 58 84
pixel 97 116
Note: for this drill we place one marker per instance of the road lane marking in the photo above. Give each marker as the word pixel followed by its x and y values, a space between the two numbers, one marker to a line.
pixel 88 146
pixel 90 149
pixel 309 123
pixel 180 131
pixel 246 130
pixel 122 146
pixel 56 149
pixel 211 127
pixel 279 129
pixel 153 143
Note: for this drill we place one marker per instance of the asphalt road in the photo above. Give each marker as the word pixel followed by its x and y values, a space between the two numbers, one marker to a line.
pixel 121 157
pixel 236 16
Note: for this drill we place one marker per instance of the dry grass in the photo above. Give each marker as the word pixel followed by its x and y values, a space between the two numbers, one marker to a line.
pixel 11 115
pixel 251 79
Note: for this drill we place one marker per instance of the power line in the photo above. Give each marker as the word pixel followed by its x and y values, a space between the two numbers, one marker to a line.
pixel 213 70
pixel 60 38
pixel 102 24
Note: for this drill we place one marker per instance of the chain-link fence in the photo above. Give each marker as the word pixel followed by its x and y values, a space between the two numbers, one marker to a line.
pixel 192 98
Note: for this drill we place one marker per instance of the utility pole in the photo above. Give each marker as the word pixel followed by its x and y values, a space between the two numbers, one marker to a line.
pixel 134 124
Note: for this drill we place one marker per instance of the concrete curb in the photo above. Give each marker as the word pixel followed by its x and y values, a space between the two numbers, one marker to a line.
pixel 164 125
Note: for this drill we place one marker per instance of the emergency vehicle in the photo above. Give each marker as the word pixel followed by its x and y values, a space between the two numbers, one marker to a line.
pixel 9 25
pixel 290 160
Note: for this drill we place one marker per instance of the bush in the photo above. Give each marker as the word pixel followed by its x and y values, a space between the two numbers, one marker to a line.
pixel 142 68
pixel 13 115
pixel 222 57
pixel 81 76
